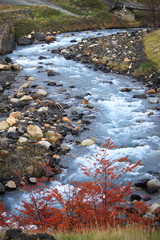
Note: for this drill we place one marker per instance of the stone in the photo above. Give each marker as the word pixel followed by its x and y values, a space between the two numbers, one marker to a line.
pixel 12 135
pixel 3 153
pixel 127 60
pixel 154 100
pixel 140 96
pixel 134 197
pixel 5 67
pixel 11 185
pixel 153 183
pixel 52 73
pixel 2 106
pixel 23 41
pixel 32 180
pixel 14 100
pixel 41 92
pixel 42 109
pixel 7 36
pixel 142 183
pixel 2 188
pixel 34 131
pixel 152 209
pixel 151 91
pixel 16 115
pixel 4 125
pixel 26 98
pixel 126 90
pixel 49 39
pixel 16 66
pixel 65 119
pixel 11 121
pixel 87 142
pixel 31 79
pixel 65 147
pixel 22 140
pixel 45 144
pixel 39 36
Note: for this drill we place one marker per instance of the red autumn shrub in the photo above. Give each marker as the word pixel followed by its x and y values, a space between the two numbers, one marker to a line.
pixel 101 202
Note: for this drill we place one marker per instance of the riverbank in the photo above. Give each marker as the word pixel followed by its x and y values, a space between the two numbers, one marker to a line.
pixel 123 53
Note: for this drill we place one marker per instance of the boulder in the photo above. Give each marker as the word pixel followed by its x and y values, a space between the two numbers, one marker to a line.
pixel 49 39
pixel 87 142
pixel 7 36
pixel 34 131
pixel 151 91
pixel 154 208
pixel 39 36
pixel 155 183
pixel 65 147
pixel 23 41
pixel 5 67
pixel 134 197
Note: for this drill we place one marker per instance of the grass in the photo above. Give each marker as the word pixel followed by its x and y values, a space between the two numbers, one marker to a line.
pixel 90 15
pixel 152 48
pixel 105 234
pixel 113 234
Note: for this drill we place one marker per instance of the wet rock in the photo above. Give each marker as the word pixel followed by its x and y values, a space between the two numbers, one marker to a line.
pixel 154 100
pixel 151 91
pixel 42 57
pixel 52 83
pixel 25 98
pixel 11 185
pixel 152 190
pixel 140 96
pixel 31 79
pixel 5 67
pixel 16 66
pixel 65 147
pixel 134 197
pixel 41 92
pixel 2 188
pixel 155 183
pixel 52 73
pixel 126 90
pixel 34 131
pixel 23 41
pixel 87 142
pixel 50 39
pixel 39 36
pixel 8 60
pixel 142 183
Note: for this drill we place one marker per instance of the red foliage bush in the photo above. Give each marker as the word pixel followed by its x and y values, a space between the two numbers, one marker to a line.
pixel 98 203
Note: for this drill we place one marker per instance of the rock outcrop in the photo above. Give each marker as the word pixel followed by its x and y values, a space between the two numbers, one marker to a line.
pixel 7 36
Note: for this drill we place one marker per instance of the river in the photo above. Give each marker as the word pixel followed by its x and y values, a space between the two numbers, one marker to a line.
pixel 115 114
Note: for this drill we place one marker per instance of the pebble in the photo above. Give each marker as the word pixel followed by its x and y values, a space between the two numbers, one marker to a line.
pixel 87 142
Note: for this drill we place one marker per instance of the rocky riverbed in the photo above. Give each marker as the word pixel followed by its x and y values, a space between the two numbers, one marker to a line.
pixel 33 127
pixel 122 53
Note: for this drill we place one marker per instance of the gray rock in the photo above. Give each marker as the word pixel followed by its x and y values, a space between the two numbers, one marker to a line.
pixel 65 147
pixel 7 36
pixel 2 188
pixel 24 41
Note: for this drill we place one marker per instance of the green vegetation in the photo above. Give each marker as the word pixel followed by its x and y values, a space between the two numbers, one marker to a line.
pixel 83 7
pixel 152 48
pixel 114 234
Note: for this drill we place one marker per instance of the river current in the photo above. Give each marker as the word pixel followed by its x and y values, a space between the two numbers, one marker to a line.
pixel 115 114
